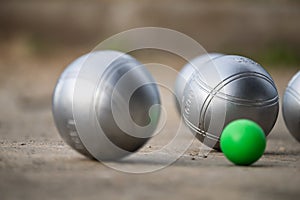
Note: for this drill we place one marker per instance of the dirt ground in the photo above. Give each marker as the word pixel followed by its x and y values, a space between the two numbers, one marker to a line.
pixel 36 164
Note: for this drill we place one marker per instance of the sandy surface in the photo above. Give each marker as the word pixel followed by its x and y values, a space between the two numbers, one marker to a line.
pixel 36 164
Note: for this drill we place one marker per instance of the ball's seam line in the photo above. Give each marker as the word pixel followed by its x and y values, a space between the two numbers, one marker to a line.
pixel 215 92
pixel 200 131
pixel 221 85
pixel 235 99
pixel 293 92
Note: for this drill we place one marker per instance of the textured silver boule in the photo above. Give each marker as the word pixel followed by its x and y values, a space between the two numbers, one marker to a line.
pixel 228 88
pixel 186 72
pixel 291 106
pixel 142 99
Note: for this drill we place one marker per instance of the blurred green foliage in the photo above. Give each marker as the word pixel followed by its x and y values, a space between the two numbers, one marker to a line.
pixel 280 54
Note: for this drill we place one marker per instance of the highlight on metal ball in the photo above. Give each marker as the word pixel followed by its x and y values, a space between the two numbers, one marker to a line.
pixel 106 105
pixel 291 106
pixel 224 88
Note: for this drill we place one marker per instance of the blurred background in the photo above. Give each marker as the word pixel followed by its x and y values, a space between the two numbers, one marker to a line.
pixel 267 31
pixel 39 38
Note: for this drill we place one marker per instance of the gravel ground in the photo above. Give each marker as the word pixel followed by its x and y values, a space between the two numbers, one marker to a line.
pixel 36 164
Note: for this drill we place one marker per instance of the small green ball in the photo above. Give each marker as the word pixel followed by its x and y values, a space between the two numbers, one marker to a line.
pixel 243 142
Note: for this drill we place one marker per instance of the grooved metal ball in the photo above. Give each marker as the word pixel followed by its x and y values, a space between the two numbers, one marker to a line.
pixel 186 72
pixel 94 89
pixel 291 106
pixel 225 89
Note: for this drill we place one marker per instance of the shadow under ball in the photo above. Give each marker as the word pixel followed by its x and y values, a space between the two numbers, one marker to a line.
pixel 110 142
pixel 226 89
pixel 291 106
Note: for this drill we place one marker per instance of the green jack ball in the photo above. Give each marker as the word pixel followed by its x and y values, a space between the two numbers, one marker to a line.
pixel 243 142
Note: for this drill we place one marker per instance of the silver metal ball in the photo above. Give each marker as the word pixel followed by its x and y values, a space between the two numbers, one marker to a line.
pixel 118 76
pixel 225 89
pixel 186 72
pixel 291 106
